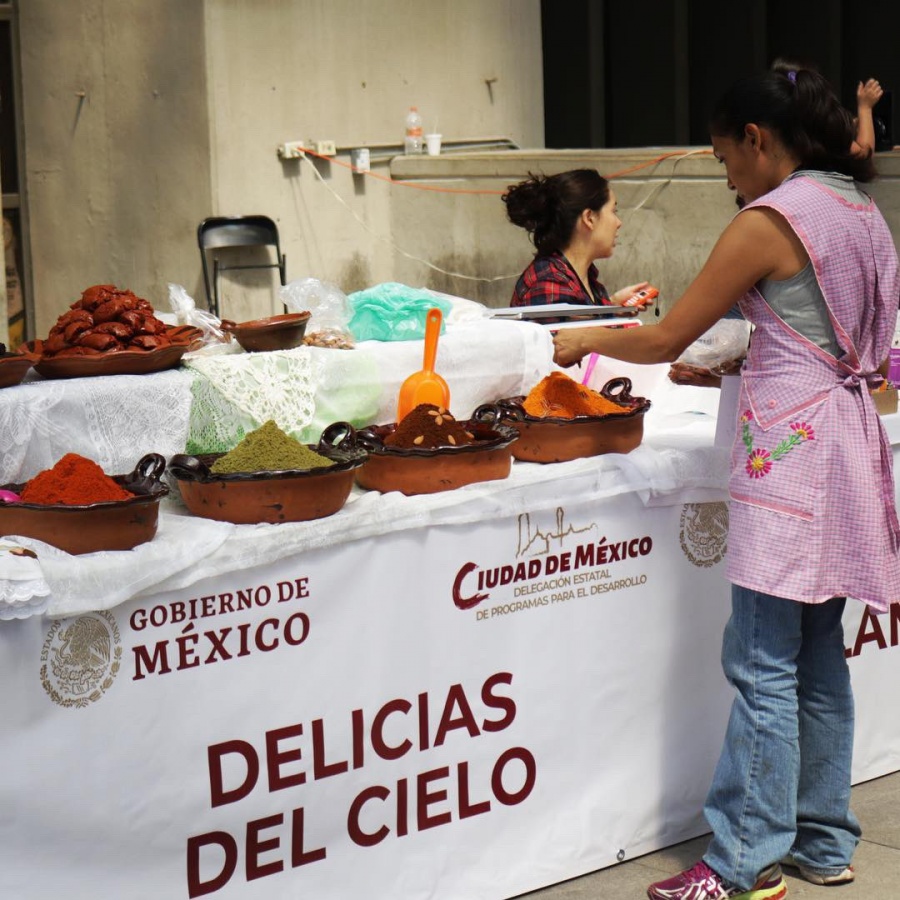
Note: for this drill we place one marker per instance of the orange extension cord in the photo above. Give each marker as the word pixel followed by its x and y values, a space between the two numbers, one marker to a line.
pixel 444 190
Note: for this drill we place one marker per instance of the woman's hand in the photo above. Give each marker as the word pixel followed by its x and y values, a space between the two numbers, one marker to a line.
pixel 623 294
pixel 569 347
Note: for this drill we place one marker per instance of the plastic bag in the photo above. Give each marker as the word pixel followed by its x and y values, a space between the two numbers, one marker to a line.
pixel 393 312
pixel 330 312
pixel 215 340
pixel 720 349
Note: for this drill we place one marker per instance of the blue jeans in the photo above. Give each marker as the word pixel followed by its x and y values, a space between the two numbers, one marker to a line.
pixel 782 783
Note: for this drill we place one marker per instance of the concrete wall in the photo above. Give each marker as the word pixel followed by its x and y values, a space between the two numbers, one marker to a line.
pixel 116 145
pixel 345 71
pixel 141 119
pixel 672 209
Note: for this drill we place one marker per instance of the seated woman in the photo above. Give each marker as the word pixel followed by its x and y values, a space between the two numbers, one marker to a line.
pixel 571 219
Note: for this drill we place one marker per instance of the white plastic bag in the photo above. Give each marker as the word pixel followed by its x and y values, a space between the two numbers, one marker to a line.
pixel 215 340
pixel 721 348
pixel 186 313
pixel 329 308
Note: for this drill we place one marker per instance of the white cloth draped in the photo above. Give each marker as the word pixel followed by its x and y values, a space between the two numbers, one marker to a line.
pixel 106 419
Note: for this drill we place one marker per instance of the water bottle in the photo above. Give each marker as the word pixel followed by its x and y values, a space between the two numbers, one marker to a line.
pixel 412 143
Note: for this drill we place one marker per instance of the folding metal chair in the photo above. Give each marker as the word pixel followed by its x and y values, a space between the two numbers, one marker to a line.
pixel 220 232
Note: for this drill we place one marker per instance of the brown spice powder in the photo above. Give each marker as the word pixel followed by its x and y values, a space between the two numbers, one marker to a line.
pixel 427 427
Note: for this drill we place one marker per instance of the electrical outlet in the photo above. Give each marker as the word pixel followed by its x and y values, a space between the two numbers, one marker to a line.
pixel 291 149
pixel 325 148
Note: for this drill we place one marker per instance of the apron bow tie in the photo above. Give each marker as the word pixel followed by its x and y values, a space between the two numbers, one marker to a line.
pixel 872 380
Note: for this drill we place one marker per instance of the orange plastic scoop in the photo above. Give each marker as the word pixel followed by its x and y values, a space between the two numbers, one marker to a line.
pixel 425 386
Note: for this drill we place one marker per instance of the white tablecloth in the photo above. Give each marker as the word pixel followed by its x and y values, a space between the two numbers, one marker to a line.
pixel 115 420
pixel 106 419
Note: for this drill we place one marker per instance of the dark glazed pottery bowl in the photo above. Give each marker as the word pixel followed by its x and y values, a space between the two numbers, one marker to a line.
pixel 414 471
pixel 273 333
pixel 119 362
pixel 251 498
pixel 113 525
pixel 14 367
pixel 547 440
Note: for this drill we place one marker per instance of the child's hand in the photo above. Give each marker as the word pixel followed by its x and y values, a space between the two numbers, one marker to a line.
pixel 868 94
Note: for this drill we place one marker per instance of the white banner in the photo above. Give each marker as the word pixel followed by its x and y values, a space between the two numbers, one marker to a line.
pixel 460 711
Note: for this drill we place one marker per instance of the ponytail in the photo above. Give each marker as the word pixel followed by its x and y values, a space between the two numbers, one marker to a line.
pixel 799 105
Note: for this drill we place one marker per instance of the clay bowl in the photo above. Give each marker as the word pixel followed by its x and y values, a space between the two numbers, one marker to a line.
pixel 251 498
pixel 14 366
pixel 547 440
pixel 118 362
pixel 414 471
pixel 115 525
pixel 274 333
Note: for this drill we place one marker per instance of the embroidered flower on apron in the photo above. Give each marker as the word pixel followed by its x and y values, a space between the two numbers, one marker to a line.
pixel 759 460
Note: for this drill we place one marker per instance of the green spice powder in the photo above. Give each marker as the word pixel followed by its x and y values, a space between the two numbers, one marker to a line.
pixel 268 449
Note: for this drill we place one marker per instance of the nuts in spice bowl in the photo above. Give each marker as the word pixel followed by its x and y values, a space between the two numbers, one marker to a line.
pixel 430 451
pixel 428 426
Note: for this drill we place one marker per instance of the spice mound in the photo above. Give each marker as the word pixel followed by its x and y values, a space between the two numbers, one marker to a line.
pixel 268 449
pixel 427 427
pixel 561 397
pixel 73 481
pixel 106 319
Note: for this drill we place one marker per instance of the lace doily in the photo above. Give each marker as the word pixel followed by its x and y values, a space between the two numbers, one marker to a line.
pixel 103 419
pixel 233 395
pixel 23 590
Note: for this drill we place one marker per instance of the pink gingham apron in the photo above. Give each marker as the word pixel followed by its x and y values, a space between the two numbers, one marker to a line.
pixel 812 491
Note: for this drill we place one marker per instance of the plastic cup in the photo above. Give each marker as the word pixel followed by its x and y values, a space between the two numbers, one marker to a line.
pixel 433 144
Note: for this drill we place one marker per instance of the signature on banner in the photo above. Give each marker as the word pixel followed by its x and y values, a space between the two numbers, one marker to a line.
pixel 551 574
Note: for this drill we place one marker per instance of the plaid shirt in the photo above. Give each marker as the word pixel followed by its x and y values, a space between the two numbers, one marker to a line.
pixel 551 279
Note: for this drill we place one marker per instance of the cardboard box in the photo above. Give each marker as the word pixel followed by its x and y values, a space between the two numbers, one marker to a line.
pixel 885 401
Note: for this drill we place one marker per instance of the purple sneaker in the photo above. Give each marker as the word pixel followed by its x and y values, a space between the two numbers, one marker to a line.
pixel 702 883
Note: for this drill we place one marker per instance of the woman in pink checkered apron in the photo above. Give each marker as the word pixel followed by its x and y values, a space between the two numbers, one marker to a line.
pixel 811 262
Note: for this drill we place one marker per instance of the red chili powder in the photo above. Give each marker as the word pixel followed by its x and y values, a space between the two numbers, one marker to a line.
pixel 562 397
pixel 73 481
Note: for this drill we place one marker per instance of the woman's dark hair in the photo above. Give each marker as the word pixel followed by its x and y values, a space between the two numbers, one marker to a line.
pixel 548 207
pixel 800 106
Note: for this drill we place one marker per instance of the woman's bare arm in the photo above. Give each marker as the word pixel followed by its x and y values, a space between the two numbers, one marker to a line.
pixel 757 244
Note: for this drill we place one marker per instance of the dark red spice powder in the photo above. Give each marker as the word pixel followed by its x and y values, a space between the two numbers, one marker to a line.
pixel 73 481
